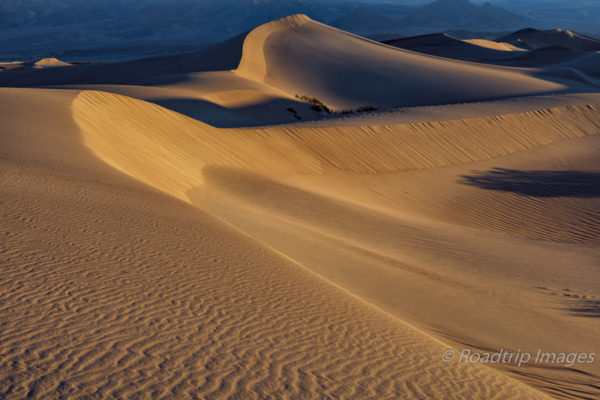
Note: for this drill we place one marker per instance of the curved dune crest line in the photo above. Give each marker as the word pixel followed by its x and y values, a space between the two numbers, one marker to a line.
pixel 253 63
pixel 168 150
pixel 304 57
pixel 390 148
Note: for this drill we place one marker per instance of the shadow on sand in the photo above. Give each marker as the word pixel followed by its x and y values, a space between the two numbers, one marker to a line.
pixel 537 183
pixel 586 308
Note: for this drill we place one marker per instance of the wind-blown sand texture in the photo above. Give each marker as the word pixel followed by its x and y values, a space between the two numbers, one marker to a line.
pixel 158 243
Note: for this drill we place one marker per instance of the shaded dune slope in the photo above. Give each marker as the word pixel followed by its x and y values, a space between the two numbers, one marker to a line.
pixel 535 39
pixel 554 54
pixel 444 45
pixel 304 57
pixel 221 56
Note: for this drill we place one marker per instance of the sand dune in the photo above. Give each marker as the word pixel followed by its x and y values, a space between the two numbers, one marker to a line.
pixel 370 149
pixel 535 39
pixel 205 167
pixel 5 66
pixel 50 63
pixel 148 299
pixel 158 244
pixel 588 63
pixel 490 44
pixel 553 54
pixel 444 45
pixel 218 98
pixel 546 56
pixel 304 57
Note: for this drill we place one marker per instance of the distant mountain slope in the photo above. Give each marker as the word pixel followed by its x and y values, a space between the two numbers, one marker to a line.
pixel 221 56
pixel 462 14
pixel 365 20
pixel 80 29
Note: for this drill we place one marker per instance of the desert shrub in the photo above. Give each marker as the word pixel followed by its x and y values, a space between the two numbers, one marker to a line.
pixel 360 109
pixel 318 104
pixel 367 108
pixel 294 112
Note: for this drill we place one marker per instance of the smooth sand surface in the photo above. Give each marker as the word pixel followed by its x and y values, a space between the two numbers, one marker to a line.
pixel 50 63
pixel 490 44
pixel 156 243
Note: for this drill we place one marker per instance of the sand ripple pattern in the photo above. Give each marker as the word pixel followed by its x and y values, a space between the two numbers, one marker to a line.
pixel 110 292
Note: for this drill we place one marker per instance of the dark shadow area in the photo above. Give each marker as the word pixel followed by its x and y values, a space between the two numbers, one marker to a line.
pixel 537 183
pixel 265 113
pixel 146 71
pixel 586 308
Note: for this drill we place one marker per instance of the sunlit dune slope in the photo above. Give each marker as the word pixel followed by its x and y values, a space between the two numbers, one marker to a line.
pixel 168 150
pixel 362 219
pixel 217 98
pixel 490 44
pixel 112 289
pixel 50 63
pixel 304 57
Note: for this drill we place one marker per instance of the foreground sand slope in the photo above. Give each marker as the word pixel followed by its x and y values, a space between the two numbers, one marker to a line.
pixel 304 192
pixel 113 290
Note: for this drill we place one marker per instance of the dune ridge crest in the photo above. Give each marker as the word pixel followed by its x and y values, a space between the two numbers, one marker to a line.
pixel 253 63
pixel 168 150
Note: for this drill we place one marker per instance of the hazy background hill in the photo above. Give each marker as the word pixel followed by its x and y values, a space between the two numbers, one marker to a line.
pixel 91 30
pixel 462 14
